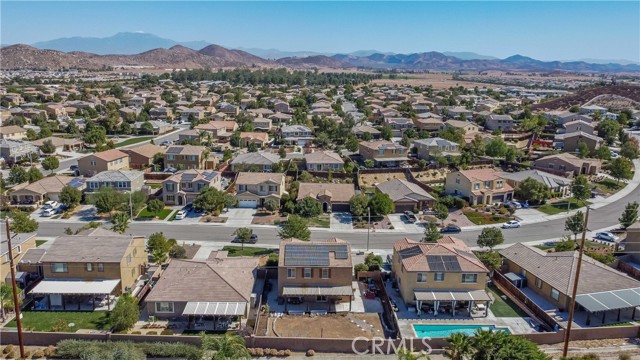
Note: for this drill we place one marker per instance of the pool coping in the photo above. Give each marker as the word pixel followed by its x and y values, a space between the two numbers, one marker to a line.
pixel 413 328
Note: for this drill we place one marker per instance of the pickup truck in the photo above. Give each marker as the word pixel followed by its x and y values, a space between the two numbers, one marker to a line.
pixel 410 217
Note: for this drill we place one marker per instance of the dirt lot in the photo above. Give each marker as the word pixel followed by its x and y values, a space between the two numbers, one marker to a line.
pixel 431 176
pixel 265 218
pixel 370 180
pixel 336 326
pixel 436 80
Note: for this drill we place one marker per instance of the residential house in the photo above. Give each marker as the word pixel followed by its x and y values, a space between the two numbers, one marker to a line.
pixel 593 109
pixel 501 122
pixel 398 125
pixel 93 164
pixel 579 125
pixel 220 287
pixel 281 107
pixel 429 124
pixel 187 157
pixel 48 188
pixel 253 189
pixel 217 128
pixel 296 134
pixel 136 101
pixel 141 157
pixel 570 142
pixel 480 186
pixel 384 153
pixel 323 161
pixel 468 126
pixel 121 180
pixel 229 109
pixel 566 163
pixel 15 151
pixel 96 262
pixel 20 244
pixel 332 197
pixel 280 118
pixel 440 276
pixel 262 123
pixel 548 278
pixel 191 135
pixel 15 99
pixel 434 147
pixel 361 130
pixel 406 196
pixel 317 272
pixel 161 113
pixel 61 144
pixel 561 118
pixel 184 186
pixel 158 126
pixel 255 162
pixel 188 114
pixel 13 132
pixel 261 139
pixel 556 184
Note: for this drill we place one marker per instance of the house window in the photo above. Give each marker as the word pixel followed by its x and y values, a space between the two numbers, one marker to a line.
pixel 261 187
pixel 457 180
pixel 59 268
pixel 100 267
pixel 307 273
pixel 291 273
pixel 325 273
pixel 469 278
pixel 129 259
pixel 523 272
pixel 93 163
pixel 538 283
pixel 401 151
pixel 19 249
pixel 381 152
pixel 422 277
pixel 476 186
pixel 242 187
pixel 499 184
pixel 555 294
pixel 439 276
pixel 321 298
pixel 171 198
pixel 487 184
pixel 164 307
pixel 89 267
pixel 273 188
pixel 550 166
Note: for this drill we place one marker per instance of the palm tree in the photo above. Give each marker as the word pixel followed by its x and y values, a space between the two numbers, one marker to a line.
pixel 406 354
pixel 229 346
pixel 459 346
pixel 483 343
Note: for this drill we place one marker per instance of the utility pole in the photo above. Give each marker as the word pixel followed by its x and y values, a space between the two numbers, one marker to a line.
pixel 572 308
pixel 16 303
pixel 368 226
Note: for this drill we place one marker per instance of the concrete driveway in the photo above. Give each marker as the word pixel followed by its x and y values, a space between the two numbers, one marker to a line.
pixel 401 224
pixel 239 217
pixel 341 221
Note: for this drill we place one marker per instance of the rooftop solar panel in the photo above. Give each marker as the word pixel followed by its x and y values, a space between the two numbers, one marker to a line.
pixel 174 150
pixel 313 255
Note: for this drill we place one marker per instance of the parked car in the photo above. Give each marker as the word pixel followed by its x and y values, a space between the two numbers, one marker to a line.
pixel 450 229
pixel 166 143
pixel 511 224
pixel 170 170
pixel 550 243
pixel 73 167
pixel 51 205
pixel 607 236
pixel 410 217
pixel 181 214
pixel 513 204
pixel 48 212
pixel 252 240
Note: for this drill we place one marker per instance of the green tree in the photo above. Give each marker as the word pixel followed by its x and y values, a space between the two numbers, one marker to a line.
pixel 159 246
pixel 271 205
pixel 621 168
pixel 603 153
pixel 146 128
pixel 22 223
pixel 155 206
pixel 125 314
pixel 228 346
pixel 369 163
pixel 17 175
pixel 408 354
pixel 48 147
pixel 532 191
pixel 210 199
pixel 452 134
pixel 575 223
pixel 106 199
pixel 580 188
pixel 228 154
pixel 386 133
pixel 358 205
pixel 381 204
pixel 477 147
pixel 490 237
pixel 431 233
pixel 96 135
pixel 512 154
pixel 496 147
pixel 308 207
pixel 629 215
pixel 567 244
pixel 459 347
pixel 498 345
pixel 491 259
pixel 629 149
pixel 352 143
pixel 295 227
pixel 608 130
pixel 50 163
pixel 441 212
pixel 120 222
pixel 583 150
pixel 34 174
pixel 70 196
pixel 282 152
pixel 243 234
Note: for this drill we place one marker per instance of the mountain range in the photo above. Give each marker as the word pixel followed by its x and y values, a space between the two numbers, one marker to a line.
pixel 141 49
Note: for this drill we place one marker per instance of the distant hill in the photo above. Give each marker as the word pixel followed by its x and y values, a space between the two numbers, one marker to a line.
pixel 464 55
pixel 317 61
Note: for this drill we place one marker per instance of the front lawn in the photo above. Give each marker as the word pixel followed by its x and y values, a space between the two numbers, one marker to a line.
pixel 609 186
pixel 247 251
pixel 40 242
pixel 59 320
pixel 146 214
pixel 503 308
pixel 134 141
pixel 319 221
pixel 561 206
pixel 483 218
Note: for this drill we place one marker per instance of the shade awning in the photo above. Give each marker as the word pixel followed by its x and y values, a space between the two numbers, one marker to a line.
pixel 215 308
pixel 476 295
pixel 317 290
pixel 610 300
pixel 75 287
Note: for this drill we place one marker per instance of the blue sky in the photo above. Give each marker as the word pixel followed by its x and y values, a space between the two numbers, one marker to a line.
pixel 543 29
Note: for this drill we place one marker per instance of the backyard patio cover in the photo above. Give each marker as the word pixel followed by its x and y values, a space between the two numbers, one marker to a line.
pixel 610 300
pixel 317 290
pixel 75 287
pixel 215 308
pixel 476 295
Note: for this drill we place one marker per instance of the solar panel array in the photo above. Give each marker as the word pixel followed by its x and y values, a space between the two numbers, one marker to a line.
pixel 408 252
pixel 443 263
pixel 174 150
pixel 465 253
pixel 76 183
pixel 313 255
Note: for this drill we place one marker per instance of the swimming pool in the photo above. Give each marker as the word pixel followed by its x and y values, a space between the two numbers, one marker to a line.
pixel 443 331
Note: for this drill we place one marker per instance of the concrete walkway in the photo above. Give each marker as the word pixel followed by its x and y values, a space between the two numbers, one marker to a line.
pixel 341 221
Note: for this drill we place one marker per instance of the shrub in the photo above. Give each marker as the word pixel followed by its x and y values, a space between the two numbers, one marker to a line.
pixel 50 351
pixel 136 333
pixel 153 332
pixel 280 353
pixel 287 353
pixel 259 352
pixel 7 349
pixel 27 354
pixel 310 352
pixel 167 332
pixel 38 354
pixel 11 355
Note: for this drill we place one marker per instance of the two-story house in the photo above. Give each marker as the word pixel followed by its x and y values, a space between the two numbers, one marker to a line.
pixel 121 180
pixel 20 243
pixel 323 161
pixel 93 164
pixel 384 153
pixel 141 157
pixel 296 134
pixel 468 126
pixel 499 122
pixel 13 132
pixel 566 163
pixel 14 151
pixel 579 125
pixel 570 142
pixel 398 125
pixel 480 186
pixel 429 123
pixel 96 262
pixel 253 189
pixel 440 276
pixel 217 128
pixel 255 162
pixel 186 157
pixel 434 147
pixel 262 123
pixel 316 271
pixel 183 186
pixel 261 139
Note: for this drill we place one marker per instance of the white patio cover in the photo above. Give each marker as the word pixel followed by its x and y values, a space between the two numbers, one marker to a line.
pixel 215 308
pixel 75 287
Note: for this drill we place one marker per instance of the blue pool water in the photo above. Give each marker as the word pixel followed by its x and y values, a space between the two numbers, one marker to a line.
pixel 443 331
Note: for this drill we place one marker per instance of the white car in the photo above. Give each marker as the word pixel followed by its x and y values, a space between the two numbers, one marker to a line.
pixel 51 205
pixel 181 214
pixel 511 224
pixel 607 236
pixel 49 212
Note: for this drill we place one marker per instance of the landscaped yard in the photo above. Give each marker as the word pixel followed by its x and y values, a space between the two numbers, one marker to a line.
pixel 146 214
pixel 503 308
pixel 483 218
pixel 155 185
pixel 133 141
pixel 609 186
pixel 59 320
pixel 267 218
pixel 319 221
pixel 40 242
pixel 561 206
pixel 247 251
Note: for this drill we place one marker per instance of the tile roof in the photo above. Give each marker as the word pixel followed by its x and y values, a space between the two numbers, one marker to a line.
pixel 185 150
pixel 96 245
pixel 249 178
pixel 52 184
pixel 550 180
pixel 401 189
pixel 110 155
pixel 259 158
pixel 337 192
pixel 323 157
pixel 116 175
pixel 415 255
pixel 11 129
pixel 147 150
pixel 481 174
pixel 381 144
pixel 318 251
pixel 57 141
pixel 192 175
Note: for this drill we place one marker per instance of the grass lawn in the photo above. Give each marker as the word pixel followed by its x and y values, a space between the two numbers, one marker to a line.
pixel 133 141
pixel 146 214
pixel 319 221
pixel 609 186
pixel 544 247
pixel 561 206
pixel 40 242
pixel 247 251
pixel 155 185
pixel 47 320
pixel 482 218
pixel 502 308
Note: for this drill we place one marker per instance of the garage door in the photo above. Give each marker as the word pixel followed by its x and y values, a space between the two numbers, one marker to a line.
pixel 250 204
